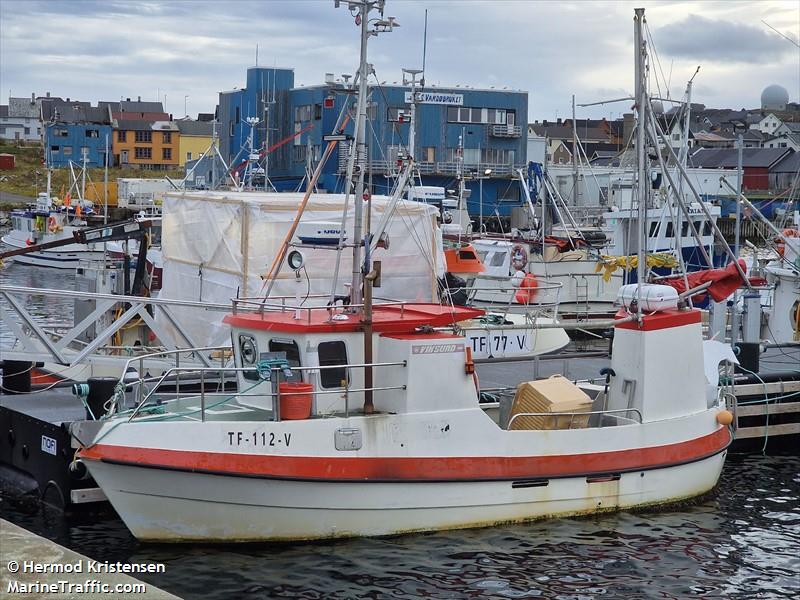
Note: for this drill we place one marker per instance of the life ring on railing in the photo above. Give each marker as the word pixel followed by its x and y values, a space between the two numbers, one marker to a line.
pixel 519 257
pixel 52 224
pixel 527 289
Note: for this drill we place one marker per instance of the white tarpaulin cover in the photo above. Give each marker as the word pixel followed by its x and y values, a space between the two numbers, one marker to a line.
pixel 217 245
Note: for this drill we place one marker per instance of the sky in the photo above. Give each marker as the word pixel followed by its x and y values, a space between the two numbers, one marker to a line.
pixel 186 51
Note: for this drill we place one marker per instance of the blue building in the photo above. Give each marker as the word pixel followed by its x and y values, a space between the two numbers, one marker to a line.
pixel 72 130
pixel 491 125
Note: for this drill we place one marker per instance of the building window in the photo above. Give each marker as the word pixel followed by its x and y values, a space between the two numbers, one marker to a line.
pixel 143 152
pixel 317 112
pixel 58 132
pixel 398 114
pixel 302 113
pixel 429 154
pixel 238 115
pixel 85 152
pixel 166 153
pixel 122 136
pixel 464 114
pixel 331 354
pixel 67 150
pixel 55 148
pixel 188 156
pixel 92 133
pixel 27 130
pixel 167 137
pixel 144 136
pixel 299 153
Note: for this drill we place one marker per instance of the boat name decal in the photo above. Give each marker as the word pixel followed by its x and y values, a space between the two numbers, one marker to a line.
pixel 437 349
pixel 498 342
pixel 259 438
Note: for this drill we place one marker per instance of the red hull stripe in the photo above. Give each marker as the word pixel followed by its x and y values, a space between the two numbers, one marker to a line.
pixel 661 320
pixel 477 468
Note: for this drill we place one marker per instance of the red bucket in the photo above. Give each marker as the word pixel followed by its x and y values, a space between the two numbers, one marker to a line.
pixel 295 400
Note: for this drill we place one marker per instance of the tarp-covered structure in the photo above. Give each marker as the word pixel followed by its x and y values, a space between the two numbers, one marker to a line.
pixel 217 245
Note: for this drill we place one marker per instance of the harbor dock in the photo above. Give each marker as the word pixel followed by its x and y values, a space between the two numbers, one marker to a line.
pixel 33 566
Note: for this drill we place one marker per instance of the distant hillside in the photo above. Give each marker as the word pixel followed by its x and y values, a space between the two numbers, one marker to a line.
pixel 30 176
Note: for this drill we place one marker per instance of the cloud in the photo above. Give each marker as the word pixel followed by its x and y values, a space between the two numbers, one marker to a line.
pixel 107 50
pixel 702 38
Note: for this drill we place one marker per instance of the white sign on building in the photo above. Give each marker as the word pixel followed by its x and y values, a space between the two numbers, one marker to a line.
pixel 436 98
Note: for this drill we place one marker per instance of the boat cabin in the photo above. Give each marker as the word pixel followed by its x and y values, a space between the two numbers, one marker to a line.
pixel 417 367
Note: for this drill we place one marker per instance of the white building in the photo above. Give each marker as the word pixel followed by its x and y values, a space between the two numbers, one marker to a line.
pixel 783 141
pixel 768 124
pixel 20 120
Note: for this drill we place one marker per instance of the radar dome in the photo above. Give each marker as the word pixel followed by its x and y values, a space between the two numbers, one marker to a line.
pixel 774 97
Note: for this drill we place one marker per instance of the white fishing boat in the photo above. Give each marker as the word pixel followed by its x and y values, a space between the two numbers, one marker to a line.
pixel 365 419
pixel 47 222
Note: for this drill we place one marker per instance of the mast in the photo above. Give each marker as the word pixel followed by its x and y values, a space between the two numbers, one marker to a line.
pixel 361 9
pixel 641 153
pixel 575 193
pixel 362 18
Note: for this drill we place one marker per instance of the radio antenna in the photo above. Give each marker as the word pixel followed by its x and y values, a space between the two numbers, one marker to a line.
pixel 424 48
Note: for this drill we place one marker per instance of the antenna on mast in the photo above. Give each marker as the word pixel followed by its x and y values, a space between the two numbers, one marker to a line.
pixel 424 48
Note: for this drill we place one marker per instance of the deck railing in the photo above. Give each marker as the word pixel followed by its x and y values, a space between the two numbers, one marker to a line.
pixel 219 375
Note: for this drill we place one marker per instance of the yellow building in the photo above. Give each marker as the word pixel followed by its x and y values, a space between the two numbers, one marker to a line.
pixel 146 144
pixel 195 139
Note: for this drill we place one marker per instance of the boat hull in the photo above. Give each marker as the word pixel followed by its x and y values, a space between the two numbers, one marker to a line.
pixel 68 258
pixel 166 505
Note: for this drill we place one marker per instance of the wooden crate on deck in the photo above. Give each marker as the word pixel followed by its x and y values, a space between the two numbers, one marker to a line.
pixel 554 395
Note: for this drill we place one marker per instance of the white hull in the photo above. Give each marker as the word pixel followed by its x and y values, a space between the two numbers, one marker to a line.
pixel 164 505
pixel 68 258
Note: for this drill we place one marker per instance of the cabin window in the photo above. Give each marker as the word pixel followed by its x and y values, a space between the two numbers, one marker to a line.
pixel 707 228
pixel 292 355
pixel 653 228
pixel 684 228
pixel 698 226
pixel 332 353
pixel 466 255
pixel 498 259
pixel 670 230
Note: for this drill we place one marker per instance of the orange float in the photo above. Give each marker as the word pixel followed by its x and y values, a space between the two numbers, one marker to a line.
pixel 527 289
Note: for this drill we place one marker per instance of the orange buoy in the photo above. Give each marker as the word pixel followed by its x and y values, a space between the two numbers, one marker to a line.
pixel 725 417
pixel 527 289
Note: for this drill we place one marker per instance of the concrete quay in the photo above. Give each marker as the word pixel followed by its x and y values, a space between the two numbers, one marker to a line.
pixel 34 567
